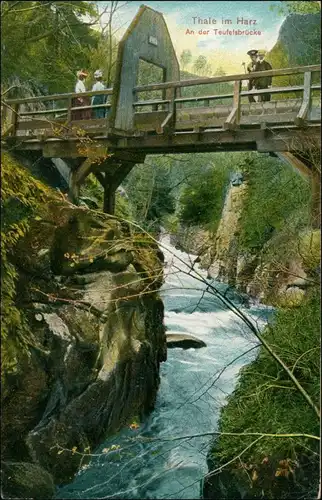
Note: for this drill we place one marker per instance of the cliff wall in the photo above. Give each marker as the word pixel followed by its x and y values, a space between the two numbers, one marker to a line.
pixel 82 331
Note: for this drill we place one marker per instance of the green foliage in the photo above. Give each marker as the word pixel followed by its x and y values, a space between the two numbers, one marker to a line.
pixel 205 89
pixel 147 74
pixel 278 58
pixel 276 193
pixel 202 200
pixel 297 7
pixel 21 196
pixel 201 66
pixel 92 188
pixel 149 191
pixel 103 56
pixel 265 400
pixel 123 207
pixel 185 58
pixel 171 223
pixel 44 43
pixel 298 44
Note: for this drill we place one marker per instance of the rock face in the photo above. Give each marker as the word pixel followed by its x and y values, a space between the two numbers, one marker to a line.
pixel 184 341
pixel 279 282
pixel 191 239
pixel 225 251
pixel 298 35
pixel 93 339
pixel 286 283
pixel 26 480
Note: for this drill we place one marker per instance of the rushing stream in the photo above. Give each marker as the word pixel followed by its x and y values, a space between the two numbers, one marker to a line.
pixel 187 401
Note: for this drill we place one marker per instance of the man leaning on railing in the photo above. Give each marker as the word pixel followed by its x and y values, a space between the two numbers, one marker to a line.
pixel 251 68
pixel 266 81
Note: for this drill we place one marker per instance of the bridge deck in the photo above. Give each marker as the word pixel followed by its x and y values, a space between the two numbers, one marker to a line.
pixel 253 114
pixel 173 123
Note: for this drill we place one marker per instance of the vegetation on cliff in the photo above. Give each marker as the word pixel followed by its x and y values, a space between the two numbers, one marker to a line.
pixel 22 198
pixel 81 322
pixel 265 402
pixel 278 198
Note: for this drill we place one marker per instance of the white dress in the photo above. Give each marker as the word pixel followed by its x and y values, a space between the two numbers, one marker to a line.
pixel 80 86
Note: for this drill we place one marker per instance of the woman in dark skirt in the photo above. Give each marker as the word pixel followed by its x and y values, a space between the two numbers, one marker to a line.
pixel 82 114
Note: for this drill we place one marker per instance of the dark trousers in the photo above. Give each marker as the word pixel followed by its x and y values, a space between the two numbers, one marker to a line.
pixel 251 86
pixel 263 97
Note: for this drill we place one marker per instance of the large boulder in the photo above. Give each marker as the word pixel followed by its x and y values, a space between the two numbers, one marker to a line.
pixel 26 480
pixel 184 341
pixel 84 333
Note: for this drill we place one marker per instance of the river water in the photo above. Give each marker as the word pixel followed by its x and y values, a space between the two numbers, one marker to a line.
pixel 194 386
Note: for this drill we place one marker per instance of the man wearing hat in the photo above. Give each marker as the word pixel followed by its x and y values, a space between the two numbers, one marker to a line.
pixel 98 99
pixel 265 81
pixel 251 68
pixel 82 114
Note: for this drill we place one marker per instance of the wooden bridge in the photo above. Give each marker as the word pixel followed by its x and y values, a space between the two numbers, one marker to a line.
pixel 173 123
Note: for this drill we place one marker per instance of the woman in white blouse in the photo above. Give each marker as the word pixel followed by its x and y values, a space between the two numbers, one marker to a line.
pixel 84 114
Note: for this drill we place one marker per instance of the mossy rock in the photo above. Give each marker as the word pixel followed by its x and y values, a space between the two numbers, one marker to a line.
pixel 292 297
pixel 26 480
pixel 309 247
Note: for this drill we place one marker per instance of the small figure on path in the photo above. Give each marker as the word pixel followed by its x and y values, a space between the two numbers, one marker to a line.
pixel 98 99
pixel 251 68
pixel 82 114
pixel 266 81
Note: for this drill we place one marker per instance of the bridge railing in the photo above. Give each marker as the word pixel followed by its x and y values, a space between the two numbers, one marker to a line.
pixel 14 118
pixel 234 117
pixel 23 120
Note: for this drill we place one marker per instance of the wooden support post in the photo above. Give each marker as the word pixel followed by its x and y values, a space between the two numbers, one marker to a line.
pixel 306 103
pixel 100 177
pixel 74 187
pixel 169 124
pixel 78 171
pixel 69 111
pixel 109 198
pixel 234 117
pixel 7 125
pixel 4 115
pixel 112 182
pixel 84 170
pixel 14 119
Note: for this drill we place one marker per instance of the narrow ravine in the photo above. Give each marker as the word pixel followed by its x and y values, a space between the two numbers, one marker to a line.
pixel 188 401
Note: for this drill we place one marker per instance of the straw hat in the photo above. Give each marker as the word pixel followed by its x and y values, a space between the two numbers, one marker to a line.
pixel 81 73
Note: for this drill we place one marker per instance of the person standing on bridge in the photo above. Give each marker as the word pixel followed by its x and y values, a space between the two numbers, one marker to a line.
pixel 251 68
pixel 82 114
pixel 266 81
pixel 98 99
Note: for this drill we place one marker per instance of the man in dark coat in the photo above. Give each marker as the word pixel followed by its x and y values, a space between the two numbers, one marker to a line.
pixel 266 81
pixel 250 68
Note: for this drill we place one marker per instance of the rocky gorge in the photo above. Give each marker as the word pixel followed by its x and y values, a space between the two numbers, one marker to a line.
pixel 284 272
pixel 272 280
pixel 83 334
